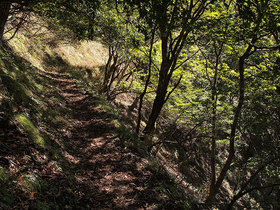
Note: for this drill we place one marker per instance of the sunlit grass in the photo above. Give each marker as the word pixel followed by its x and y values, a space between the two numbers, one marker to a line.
pixel 86 54
pixel 32 131
pixel 25 47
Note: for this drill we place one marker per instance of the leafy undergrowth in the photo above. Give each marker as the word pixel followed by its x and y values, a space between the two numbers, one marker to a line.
pixel 60 145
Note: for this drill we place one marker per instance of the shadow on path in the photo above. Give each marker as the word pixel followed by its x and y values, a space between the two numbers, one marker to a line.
pixel 106 175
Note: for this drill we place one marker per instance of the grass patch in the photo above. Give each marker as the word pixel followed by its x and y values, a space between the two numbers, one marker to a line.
pixel 32 131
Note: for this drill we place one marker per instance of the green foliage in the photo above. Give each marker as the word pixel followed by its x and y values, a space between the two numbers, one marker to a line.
pixel 211 78
pixel 75 15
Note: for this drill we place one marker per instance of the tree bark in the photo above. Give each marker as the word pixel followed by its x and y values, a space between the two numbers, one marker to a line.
pixel 142 95
pixel 214 132
pixel 215 188
pixel 214 98
pixel 163 82
pixel 171 48
pixel 159 101
pixel 4 14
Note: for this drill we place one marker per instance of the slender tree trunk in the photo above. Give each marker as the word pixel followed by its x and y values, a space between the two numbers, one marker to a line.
pixel 214 118
pixel 133 105
pixel 113 70
pixel 214 132
pixel 107 70
pixel 157 106
pixel 215 189
pixel 4 13
pixel 164 78
pixel 141 98
pixel 171 48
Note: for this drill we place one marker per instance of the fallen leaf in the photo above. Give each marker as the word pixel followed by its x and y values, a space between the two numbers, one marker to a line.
pixel 31 195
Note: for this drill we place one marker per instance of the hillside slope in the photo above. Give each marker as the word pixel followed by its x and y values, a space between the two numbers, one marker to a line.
pixel 59 143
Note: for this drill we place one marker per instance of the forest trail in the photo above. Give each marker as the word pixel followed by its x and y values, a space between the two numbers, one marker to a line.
pixel 60 148
pixel 107 175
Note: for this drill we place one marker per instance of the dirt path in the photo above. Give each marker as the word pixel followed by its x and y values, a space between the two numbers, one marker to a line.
pixel 106 175
pixel 83 164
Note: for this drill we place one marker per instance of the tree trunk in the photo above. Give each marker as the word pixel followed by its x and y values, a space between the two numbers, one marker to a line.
pixel 107 70
pixel 214 132
pixel 215 189
pixel 4 13
pixel 214 118
pixel 133 105
pixel 142 95
pixel 157 106
pixel 163 82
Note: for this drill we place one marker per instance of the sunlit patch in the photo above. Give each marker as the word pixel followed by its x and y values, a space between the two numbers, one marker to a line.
pixel 32 131
pixel 87 54
pixel 53 167
pixel 80 179
pixel 123 177
pixel 98 142
pixel 71 158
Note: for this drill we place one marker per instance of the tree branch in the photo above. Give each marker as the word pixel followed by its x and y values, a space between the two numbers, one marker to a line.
pixel 175 86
